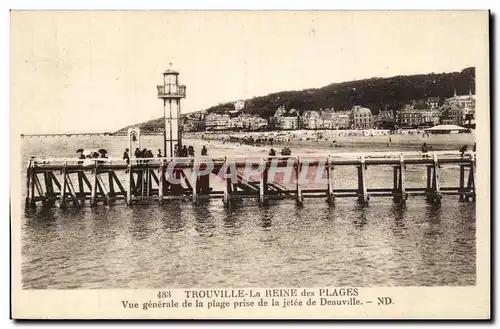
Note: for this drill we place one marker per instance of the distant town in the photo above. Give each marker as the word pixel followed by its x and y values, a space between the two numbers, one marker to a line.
pixel 421 113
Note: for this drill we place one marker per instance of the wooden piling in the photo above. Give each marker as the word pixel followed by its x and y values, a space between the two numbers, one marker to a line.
pixel 71 191
pixel 28 183
pixel 81 189
pixel 436 190
pixel 471 182
pixel 395 183
pixel 227 185
pixel 110 183
pixel 49 190
pixel 362 188
pixel 194 181
pixel 461 182
pixel 263 184
pixel 298 167
pixel 103 189
pixel 401 185
pixel 161 183
pixel 32 202
pixel 130 184
pixel 62 197
pixel 330 197
pixel 93 195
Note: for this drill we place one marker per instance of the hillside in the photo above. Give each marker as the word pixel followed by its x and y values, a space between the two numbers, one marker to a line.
pixel 374 93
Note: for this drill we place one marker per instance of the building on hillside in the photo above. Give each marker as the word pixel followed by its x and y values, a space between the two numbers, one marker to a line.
pixel 336 120
pixel 385 115
pixel 432 103
pixel 311 120
pixel 459 109
pixel 361 118
pixel 384 119
pixel 285 120
pixel 410 117
pixel 215 121
pixel 430 117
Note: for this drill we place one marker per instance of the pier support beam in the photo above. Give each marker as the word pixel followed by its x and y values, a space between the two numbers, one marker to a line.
pixel 62 197
pixel 399 190
pixel 463 194
pixel 362 188
pixel 130 185
pixel 32 203
pixel 471 182
pixel 298 168
pixel 28 183
pixel 227 184
pixel 434 190
pixel 330 196
pixel 93 195
pixel 263 184
pixel 195 181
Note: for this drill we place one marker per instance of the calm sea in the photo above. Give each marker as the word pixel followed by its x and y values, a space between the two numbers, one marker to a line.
pixel 180 245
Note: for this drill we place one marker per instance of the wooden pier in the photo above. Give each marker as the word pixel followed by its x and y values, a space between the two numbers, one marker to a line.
pixel 73 182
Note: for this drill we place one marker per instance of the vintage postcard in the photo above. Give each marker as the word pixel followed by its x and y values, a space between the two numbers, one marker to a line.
pixel 250 164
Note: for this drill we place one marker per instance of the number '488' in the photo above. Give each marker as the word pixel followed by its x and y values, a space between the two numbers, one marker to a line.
pixel 163 294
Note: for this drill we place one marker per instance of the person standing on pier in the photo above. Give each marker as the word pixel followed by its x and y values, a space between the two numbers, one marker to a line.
pixel 272 153
pixel 184 151
pixel 176 151
pixel 126 156
pixel 80 156
pixel 424 150
pixel 204 151
pixel 137 153
pixel 159 154
pixel 191 151
pixel 462 150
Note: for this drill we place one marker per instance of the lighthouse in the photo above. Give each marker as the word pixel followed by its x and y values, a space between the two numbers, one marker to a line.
pixel 171 94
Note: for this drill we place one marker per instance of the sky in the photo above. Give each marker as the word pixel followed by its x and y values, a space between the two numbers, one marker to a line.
pixel 85 71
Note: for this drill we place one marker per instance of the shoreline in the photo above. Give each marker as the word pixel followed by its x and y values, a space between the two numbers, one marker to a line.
pixel 397 142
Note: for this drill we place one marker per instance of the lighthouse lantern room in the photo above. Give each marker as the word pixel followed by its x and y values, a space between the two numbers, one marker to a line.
pixel 171 93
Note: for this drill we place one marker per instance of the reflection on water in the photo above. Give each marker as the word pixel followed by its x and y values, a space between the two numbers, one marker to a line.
pixel 178 244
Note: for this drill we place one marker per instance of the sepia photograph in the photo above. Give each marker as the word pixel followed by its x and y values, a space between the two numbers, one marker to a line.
pixel 207 151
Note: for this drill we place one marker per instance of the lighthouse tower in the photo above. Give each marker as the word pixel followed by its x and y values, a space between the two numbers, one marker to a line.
pixel 171 94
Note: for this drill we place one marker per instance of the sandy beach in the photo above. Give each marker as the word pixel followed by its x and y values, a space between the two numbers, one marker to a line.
pixel 304 141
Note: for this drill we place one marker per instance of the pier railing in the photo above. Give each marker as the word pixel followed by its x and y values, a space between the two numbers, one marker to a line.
pixel 138 180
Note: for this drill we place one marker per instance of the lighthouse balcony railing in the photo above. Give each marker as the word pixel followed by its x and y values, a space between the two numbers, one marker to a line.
pixel 171 90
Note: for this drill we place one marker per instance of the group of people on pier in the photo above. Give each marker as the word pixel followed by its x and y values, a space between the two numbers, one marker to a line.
pixel 145 153
pixel 284 151
pixel 186 151
pixel 102 153
pixel 424 149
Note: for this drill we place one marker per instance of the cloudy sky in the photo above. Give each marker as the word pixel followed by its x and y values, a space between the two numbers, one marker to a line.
pixel 98 71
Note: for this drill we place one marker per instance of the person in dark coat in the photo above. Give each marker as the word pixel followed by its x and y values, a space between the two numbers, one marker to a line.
pixel 137 153
pixel 272 152
pixel 463 149
pixel 204 151
pixel 126 156
pixel 159 154
pixel 424 150
pixel 184 151
pixel 191 151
